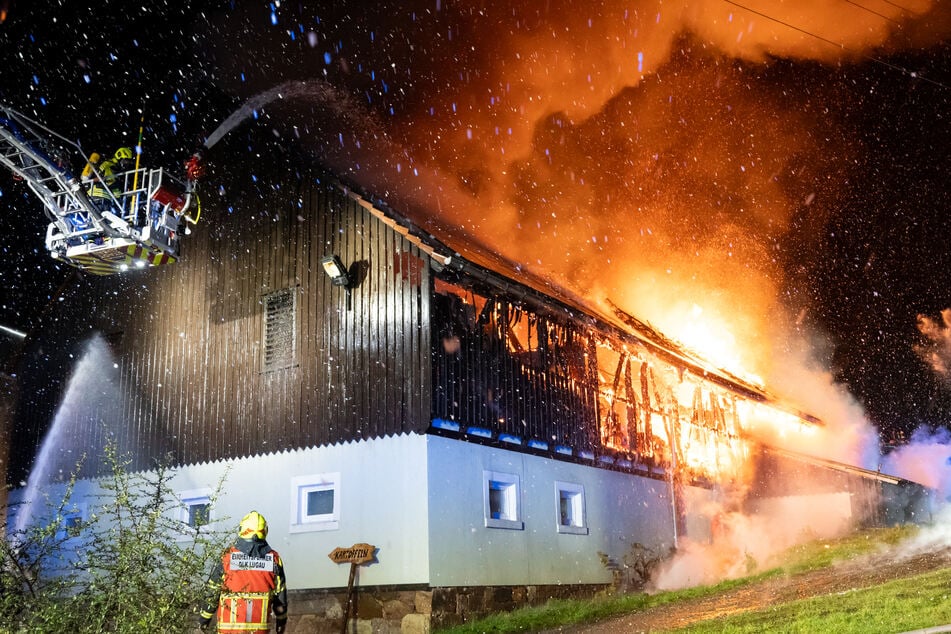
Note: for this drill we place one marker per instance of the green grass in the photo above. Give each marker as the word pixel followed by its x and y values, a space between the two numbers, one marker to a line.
pixel 823 553
pixel 559 612
pixel 900 605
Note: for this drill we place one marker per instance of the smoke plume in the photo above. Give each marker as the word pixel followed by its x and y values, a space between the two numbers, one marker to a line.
pixel 926 459
pixel 673 158
pixel 743 543
pixel 936 351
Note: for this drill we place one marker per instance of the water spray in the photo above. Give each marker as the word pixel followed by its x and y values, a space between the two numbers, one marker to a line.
pixel 88 395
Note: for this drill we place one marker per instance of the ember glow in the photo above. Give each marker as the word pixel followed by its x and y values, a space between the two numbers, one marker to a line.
pixel 658 155
pixel 936 350
pixel 711 338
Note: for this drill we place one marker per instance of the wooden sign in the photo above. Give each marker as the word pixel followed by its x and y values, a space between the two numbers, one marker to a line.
pixel 356 554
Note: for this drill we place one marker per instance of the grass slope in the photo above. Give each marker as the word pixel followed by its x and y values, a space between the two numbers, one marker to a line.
pixel 911 602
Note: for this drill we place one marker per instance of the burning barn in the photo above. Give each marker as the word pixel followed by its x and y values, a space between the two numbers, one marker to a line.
pixel 356 380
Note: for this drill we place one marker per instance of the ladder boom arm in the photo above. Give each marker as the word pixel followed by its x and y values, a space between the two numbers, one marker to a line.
pixel 101 224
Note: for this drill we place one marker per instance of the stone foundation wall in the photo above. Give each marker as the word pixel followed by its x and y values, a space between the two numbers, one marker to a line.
pixel 415 610
pixel 453 606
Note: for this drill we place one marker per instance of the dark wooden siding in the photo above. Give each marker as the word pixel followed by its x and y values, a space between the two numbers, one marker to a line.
pixel 188 337
pixel 508 362
pixel 535 382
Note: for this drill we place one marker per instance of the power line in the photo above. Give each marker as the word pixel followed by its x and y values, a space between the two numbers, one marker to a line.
pixel 875 13
pixel 842 47
pixel 897 6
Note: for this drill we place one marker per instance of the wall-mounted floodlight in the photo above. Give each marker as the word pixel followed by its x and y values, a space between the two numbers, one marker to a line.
pixel 336 270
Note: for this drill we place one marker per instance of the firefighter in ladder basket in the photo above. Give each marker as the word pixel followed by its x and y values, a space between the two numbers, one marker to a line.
pixel 109 170
pixel 247 584
pixel 113 217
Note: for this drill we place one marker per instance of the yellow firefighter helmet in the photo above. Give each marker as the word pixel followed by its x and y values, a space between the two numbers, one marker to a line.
pixel 253 525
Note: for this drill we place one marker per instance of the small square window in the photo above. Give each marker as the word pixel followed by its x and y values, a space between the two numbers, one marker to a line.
pixel 199 514
pixel 320 502
pixel 195 510
pixel 73 519
pixel 315 501
pixel 569 498
pixel 501 495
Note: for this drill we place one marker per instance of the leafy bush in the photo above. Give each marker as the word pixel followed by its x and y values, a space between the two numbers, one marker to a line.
pixel 132 566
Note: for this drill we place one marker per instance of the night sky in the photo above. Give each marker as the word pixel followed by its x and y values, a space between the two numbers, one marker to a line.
pixel 857 255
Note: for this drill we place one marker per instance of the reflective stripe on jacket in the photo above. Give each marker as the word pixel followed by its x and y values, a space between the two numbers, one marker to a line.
pixel 243 612
pixel 251 585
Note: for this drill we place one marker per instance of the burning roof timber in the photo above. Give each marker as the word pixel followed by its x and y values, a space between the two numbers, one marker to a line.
pixel 498 270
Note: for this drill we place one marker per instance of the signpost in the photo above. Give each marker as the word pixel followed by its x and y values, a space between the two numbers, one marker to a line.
pixel 355 555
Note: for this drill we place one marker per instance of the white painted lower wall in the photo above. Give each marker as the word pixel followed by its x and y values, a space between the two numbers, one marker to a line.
pixel 621 509
pixel 420 500
pixel 382 502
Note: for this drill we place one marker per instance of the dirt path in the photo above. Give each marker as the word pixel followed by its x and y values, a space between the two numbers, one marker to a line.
pixel 859 573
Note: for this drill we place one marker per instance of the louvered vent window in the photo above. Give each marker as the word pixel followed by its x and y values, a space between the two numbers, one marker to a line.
pixel 280 338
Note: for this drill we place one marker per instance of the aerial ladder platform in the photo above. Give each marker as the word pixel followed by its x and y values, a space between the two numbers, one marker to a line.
pixel 100 223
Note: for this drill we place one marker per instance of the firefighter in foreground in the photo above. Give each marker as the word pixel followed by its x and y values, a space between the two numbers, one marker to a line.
pixel 247 583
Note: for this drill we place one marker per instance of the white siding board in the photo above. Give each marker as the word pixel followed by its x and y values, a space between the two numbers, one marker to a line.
pixel 419 499
pixel 381 503
pixel 621 509
pixel 382 498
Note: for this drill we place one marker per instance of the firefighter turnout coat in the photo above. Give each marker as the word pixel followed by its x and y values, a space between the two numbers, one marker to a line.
pixel 246 586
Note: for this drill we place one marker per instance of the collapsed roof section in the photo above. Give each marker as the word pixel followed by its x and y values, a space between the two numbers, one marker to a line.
pixel 538 292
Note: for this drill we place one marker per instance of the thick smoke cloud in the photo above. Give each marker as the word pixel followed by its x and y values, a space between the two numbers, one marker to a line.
pixel 936 350
pixel 925 460
pixel 672 158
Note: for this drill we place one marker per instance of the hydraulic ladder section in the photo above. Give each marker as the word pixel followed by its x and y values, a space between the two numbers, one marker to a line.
pixel 133 221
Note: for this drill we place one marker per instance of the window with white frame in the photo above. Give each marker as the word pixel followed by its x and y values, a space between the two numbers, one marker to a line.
pixel 501 493
pixel 195 508
pixel 315 502
pixel 569 499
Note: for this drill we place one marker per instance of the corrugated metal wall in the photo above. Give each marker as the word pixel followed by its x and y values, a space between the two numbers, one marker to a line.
pixel 188 337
